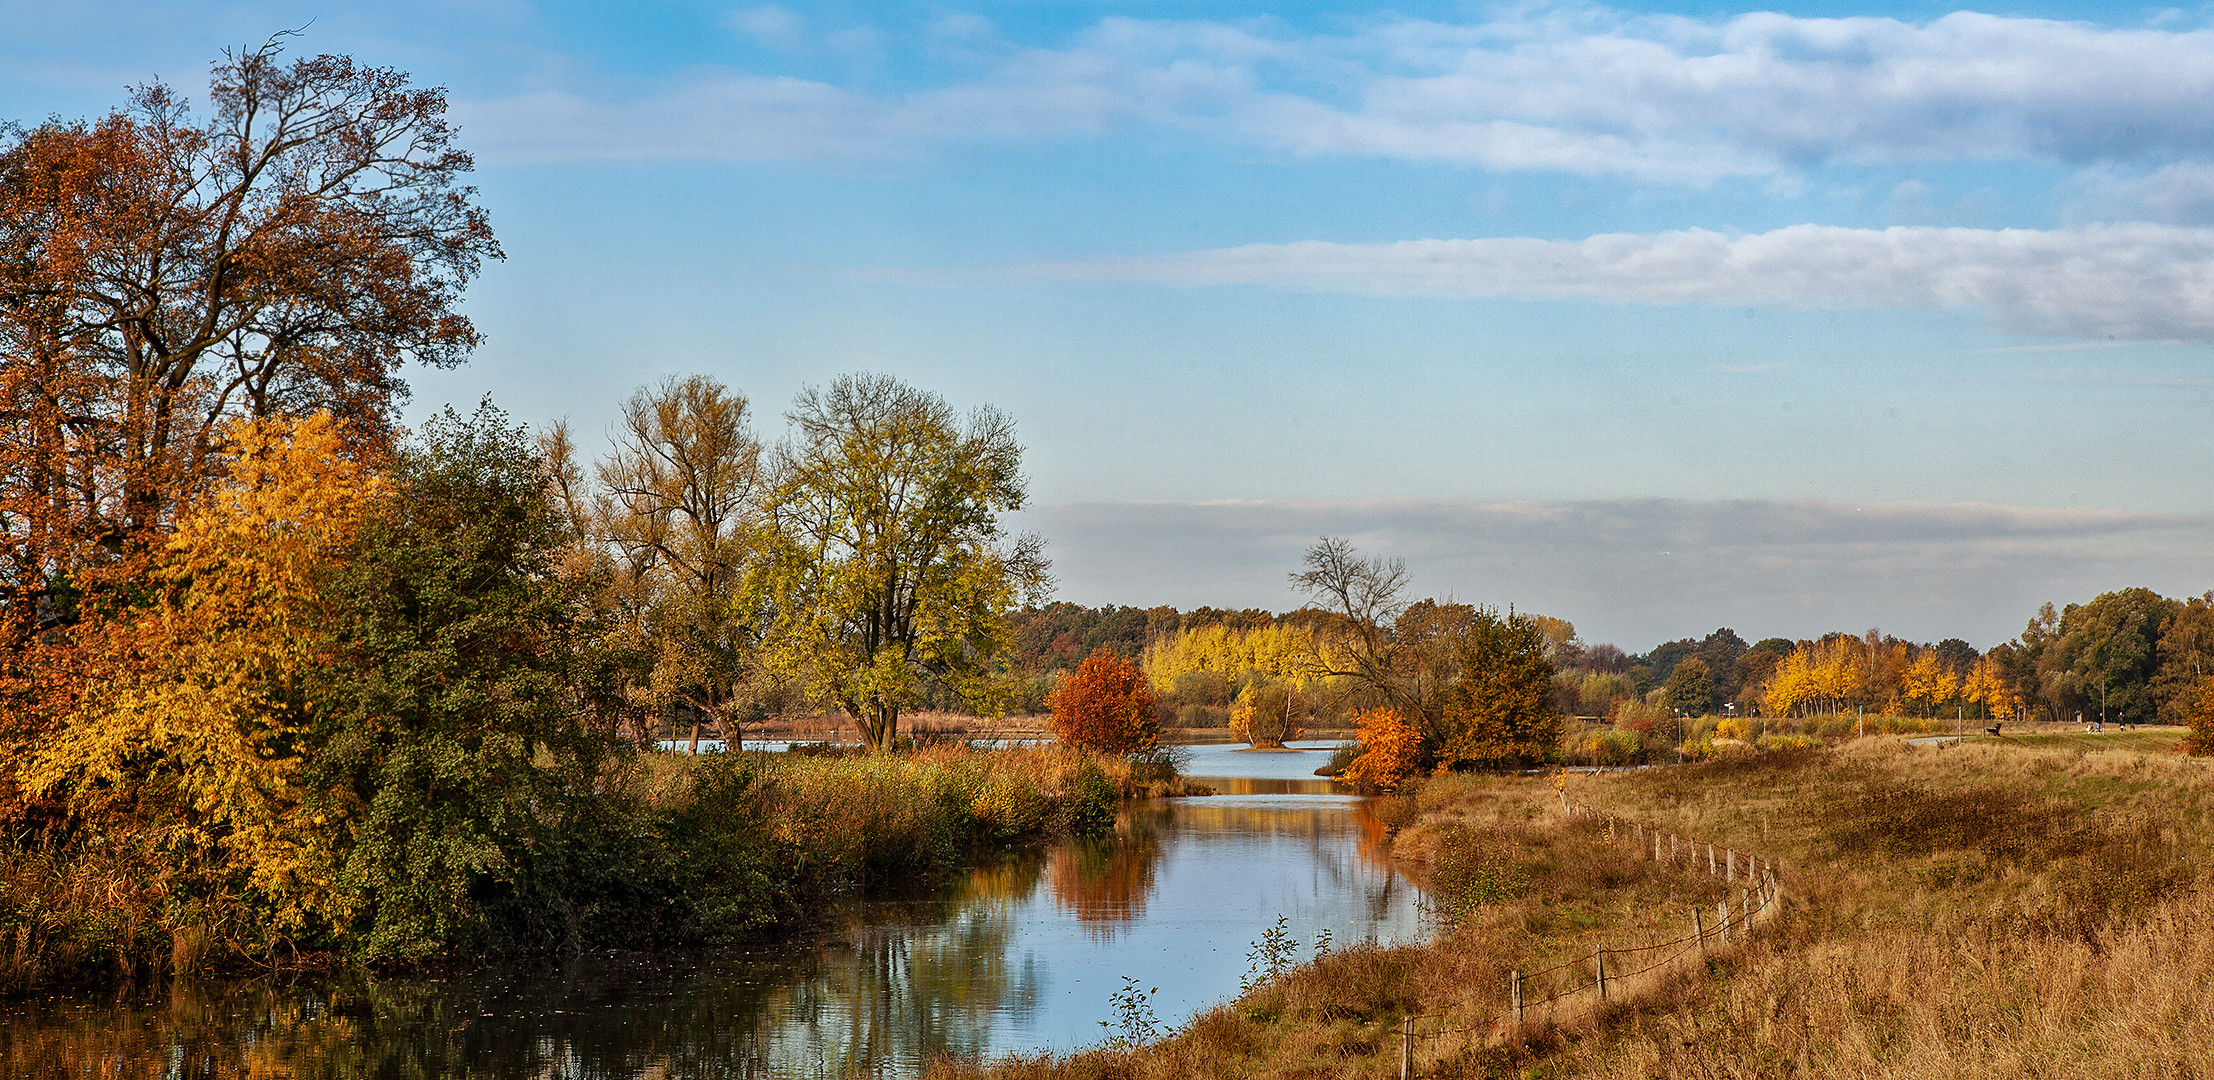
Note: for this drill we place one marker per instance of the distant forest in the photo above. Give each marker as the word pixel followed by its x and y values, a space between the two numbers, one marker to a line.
pixel 2130 655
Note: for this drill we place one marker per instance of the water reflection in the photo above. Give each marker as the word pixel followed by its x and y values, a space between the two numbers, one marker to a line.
pixel 1106 883
pixel 1017 956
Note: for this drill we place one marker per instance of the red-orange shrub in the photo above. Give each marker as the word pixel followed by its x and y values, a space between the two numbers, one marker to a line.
pixel 1391 751
pixel 1105 706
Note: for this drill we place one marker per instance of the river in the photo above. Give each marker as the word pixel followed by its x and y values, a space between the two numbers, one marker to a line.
pixel 1017 956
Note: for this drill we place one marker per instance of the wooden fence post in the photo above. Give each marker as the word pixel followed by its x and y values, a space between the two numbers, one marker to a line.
pixel 1699 930
pixel 1729 864
pixel 1745 912
pixel 1656 847
pixel 1722 921
pixel 1406 1049
pixel 1514 994
pixel 1599 961
pixel 1711 870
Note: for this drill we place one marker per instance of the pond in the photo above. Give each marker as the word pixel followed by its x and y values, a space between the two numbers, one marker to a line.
pixel 1017 956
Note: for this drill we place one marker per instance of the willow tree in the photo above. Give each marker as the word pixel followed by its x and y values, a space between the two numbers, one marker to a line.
pixel 890 571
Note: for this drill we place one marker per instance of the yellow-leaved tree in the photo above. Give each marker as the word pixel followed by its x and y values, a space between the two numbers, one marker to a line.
pixel 196 720
pixel 1928 682
pixel 1280 651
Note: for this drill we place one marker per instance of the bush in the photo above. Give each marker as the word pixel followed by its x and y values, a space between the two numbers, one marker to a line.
pixel 1106 706
pixel 1608 746
pixel 1774 743
pixel 1390 751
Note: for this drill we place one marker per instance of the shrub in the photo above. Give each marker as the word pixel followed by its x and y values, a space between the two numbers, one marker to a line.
pixel 1773 743
pixel 1609 746
pixel 1390 751
pixel 1106 706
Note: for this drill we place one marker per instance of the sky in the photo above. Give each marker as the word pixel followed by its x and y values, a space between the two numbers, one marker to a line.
pixel 1655 318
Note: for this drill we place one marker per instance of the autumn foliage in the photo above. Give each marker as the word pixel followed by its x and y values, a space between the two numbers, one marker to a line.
pixel 1106 705
pixel 1391 751
pixel 2200 740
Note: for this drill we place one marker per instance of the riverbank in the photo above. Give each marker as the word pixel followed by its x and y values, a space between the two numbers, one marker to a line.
pixel 666 850
pixel 1019 952
pixel 1983 910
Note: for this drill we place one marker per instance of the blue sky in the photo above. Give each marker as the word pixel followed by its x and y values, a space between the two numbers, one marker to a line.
pixel 1636 316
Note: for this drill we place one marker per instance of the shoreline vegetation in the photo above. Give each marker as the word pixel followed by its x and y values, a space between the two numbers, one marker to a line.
pixel 675 850
pixel 1992 908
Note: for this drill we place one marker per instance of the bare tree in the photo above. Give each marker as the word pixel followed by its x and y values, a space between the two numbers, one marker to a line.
pixel 1370 632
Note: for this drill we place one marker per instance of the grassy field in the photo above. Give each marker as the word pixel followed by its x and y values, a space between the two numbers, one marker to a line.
pixel 2009 907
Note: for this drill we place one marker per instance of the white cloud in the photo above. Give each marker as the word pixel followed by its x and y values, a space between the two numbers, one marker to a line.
pixel 770 26
pixel 2141 282
pixel 1583 90
pixel 1638 572
pixel 2182 192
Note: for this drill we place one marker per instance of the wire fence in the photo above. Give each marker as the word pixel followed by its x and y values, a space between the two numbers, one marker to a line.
pixel 1727 926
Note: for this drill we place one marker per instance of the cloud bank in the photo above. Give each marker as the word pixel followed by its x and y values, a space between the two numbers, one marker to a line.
pixel 2135 281
pixel 1577 89
pixel 1644 571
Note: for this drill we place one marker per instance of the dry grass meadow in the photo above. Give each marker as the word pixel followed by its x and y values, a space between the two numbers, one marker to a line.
pixel 1992 909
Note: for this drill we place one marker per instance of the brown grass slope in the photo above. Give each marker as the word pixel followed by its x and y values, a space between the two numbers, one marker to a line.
pixel 1981 910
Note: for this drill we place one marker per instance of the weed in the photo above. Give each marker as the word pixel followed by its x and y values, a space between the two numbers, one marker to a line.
pixel 1270 957
pixel 1135 1025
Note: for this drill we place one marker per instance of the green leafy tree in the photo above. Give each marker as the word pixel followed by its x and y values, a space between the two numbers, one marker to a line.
pixel 449 726
pixel 891 572
pixel 1498 715
pixel 2103 654
pixel 1688 690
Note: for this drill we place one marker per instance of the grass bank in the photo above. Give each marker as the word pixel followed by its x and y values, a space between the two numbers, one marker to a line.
pixel 1988 909
pixel 663 849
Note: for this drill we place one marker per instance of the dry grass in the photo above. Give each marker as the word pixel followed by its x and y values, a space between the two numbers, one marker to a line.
pixel 1523 887
pixel 1991 909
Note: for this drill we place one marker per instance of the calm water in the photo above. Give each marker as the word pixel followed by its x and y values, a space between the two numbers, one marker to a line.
pixel 1018 956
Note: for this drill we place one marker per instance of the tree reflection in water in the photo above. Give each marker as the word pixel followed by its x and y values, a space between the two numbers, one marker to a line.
pixel 1105 883
pixel 964 969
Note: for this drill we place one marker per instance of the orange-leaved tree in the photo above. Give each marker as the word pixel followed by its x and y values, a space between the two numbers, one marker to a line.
pixel 1268 712
pixel 1391 751
pixel 2201 719
pixel 194 725
pixel 161 275
pixel 1106 705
